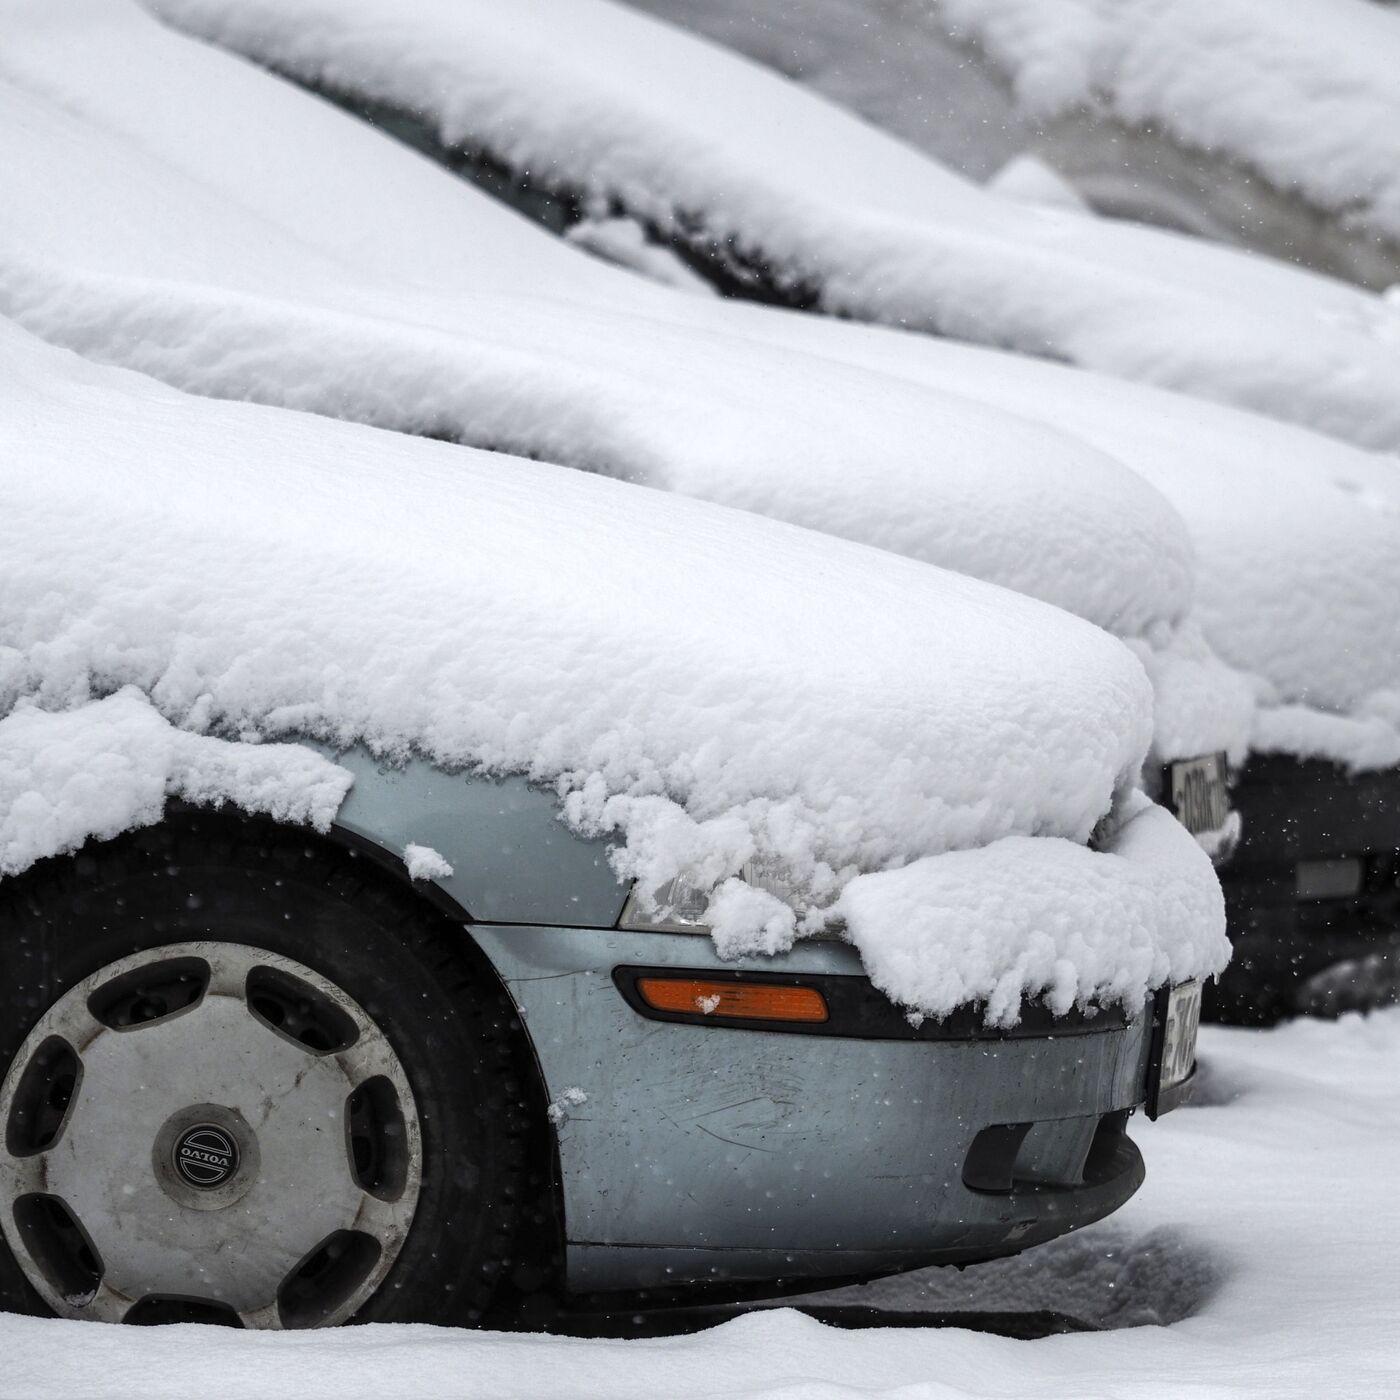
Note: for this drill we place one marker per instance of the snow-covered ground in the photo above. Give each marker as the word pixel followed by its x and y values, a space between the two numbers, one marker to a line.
pixel 603 101
pixel 1265 1239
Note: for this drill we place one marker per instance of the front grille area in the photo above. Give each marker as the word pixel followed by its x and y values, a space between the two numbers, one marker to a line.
pixel 1314 883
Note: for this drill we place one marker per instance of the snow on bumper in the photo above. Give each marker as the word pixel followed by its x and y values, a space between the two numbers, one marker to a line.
pixel 1042 918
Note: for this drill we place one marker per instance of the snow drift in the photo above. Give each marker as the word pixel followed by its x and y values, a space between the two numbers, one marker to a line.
pixel 618 109
pixel 710 685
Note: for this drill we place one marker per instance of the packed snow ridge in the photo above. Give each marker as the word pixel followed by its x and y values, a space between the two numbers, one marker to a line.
pixel 609 105
pixel 707 685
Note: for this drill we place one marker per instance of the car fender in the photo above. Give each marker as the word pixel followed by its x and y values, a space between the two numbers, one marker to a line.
pixel 512 859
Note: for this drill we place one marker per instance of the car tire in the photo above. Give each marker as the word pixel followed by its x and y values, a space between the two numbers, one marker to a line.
pixel 320 933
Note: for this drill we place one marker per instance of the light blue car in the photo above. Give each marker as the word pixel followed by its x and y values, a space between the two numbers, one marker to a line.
pixel 536 1091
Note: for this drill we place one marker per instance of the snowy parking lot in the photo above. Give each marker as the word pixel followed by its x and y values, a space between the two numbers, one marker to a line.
pixel 642 705
pixel 1261 1259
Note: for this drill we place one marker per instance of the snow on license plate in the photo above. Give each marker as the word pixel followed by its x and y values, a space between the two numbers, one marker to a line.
pixel 1199 794
pixel 1179 1034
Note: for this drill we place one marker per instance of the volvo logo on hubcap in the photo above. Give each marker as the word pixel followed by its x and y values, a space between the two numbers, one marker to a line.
pixel 205 1156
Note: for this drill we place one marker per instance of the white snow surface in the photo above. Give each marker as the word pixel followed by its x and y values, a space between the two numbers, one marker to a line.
pixel 1030 180
pixel 1264 1237
pixel 212 251
pixel 1304 92
pixel 105 766
pixel 598 98
pixel 711 686
pixel 424 863
pixel 981 925
pixel 1297 540
pixel 178 239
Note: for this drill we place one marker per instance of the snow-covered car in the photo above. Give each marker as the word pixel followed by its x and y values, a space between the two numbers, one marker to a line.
pixel 207 240
pixel 1298 557
pixel 776 194
pixel 1297 542
pixel 1276 127
pixel 308 988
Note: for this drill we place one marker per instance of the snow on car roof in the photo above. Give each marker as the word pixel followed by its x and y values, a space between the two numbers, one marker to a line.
pixel 115 192
pixel 1304 92
pixel 711 684
pixel 591 97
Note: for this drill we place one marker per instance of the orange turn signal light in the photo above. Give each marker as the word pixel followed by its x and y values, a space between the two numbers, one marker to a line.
pixel 745 1001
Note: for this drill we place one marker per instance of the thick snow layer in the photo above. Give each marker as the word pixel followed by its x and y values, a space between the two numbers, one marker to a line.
pixel 990 925
pixel 1297 539
pixel 108 765
pixel 154 236
pixel 1266 1235
pixel 1304 92
pixel 712 686
pixel 699 410
pixel 589 96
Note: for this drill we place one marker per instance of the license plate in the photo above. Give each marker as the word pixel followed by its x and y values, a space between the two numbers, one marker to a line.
pixel 1199 795
pixel 1176 1059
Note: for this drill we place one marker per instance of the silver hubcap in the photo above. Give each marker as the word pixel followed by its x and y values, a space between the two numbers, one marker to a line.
pixel 211 1131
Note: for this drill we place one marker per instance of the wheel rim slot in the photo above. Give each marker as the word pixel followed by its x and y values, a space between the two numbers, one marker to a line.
pixel 60 1246
pixel 299 1012
pixel 159 1309
pixel 40 1109
pixel 327 1277
pixel 148 995
pixel 377 1139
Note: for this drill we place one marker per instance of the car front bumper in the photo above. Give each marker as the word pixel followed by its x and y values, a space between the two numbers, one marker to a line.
pixel 694 1154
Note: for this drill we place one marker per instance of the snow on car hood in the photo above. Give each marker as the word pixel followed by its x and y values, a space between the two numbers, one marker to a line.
pixel 1297 535
pixel 590 97
pixel 219 255
pixel 711 685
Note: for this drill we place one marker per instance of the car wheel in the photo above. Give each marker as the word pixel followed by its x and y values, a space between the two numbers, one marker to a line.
pixel 249 1078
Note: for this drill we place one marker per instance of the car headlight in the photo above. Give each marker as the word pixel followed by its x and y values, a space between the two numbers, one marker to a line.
pixel 679 905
